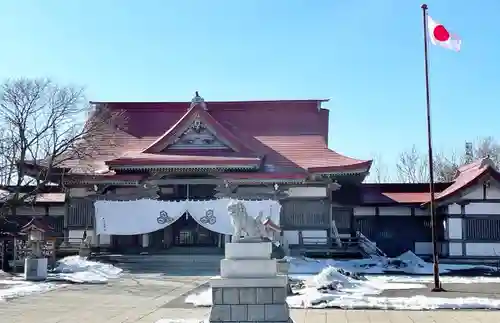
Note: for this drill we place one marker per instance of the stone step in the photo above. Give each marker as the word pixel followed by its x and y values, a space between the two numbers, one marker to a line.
pixel 165 258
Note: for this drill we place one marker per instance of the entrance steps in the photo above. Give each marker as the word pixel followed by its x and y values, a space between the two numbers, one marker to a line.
pixel 166 258
pixel 189 265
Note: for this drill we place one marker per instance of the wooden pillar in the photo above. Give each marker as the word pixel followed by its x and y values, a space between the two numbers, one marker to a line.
pixel 67 205
pixel 330 215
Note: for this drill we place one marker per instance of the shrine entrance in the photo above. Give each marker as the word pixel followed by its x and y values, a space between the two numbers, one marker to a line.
pixel 187 232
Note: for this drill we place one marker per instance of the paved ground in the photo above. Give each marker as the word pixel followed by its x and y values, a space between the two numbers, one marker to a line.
pixel 481 290
pixel 149 297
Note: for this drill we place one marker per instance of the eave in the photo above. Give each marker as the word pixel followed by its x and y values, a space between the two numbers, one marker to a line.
pixel 187 168
pixel 354 169
pixel 229 178
pixel 265 178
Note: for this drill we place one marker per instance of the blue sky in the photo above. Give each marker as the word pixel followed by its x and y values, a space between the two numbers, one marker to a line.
pixel 366 56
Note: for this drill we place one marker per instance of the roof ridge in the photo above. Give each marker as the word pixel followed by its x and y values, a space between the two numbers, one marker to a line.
pixel 216 102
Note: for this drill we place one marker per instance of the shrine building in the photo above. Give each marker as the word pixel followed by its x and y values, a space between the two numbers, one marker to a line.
pixel 162 179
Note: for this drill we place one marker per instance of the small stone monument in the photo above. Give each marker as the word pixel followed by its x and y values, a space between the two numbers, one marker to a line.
pixel 249 288
pixel 35 264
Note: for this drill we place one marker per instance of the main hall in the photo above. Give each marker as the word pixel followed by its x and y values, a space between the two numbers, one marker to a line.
pixel 159 179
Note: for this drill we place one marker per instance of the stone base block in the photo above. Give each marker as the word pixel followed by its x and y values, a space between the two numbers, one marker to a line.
pixel 240 313
pixel 282 266
pixel 249 295
pixel 35 269
pixel 276 281
pixel 231 268
pixel 248 250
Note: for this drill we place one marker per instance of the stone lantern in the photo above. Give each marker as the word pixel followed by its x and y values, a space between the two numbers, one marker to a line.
pixel 35 264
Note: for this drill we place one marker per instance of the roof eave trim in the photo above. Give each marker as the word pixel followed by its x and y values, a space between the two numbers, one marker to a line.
pixel 363 167
pixel 267 181
pixel 187 167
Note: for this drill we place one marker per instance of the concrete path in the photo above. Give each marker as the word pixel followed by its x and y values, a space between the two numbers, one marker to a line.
pixel 147 299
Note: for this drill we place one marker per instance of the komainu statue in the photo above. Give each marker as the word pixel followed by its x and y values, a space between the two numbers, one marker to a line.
pixel 245 227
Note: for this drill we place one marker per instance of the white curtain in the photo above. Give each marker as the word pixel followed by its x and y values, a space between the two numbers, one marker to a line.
pixel 144 216
pixel 136 217
pixel 211 215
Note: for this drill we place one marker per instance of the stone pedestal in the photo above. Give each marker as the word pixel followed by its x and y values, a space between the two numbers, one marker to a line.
pixel 35 269
pixel 249 288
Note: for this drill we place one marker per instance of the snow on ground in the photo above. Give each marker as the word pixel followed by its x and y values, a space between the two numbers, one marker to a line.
pixel 73 269
pixel 406 263
pixel 10 289
pixel 351 284
pixel 77 269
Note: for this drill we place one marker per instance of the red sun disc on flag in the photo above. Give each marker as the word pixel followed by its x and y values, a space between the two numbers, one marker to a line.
pixel 440 33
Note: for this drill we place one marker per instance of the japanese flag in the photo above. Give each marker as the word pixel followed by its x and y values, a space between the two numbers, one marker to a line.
pixel 441 36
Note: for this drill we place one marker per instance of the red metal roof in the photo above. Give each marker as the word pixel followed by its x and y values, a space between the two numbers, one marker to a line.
pixel 467 176
pixel 407 197
pixel 292 135
pixel 398 193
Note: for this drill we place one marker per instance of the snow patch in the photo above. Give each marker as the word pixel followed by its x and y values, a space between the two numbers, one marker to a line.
pixel 406 263
pixel 78 269
pixel 17 289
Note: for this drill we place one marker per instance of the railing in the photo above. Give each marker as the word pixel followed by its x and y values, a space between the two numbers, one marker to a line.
pixel 336 235
pixel 368 246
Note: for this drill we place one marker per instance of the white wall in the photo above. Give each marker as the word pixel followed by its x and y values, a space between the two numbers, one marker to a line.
pixel 477 192
pixel 394 211
pixel 387 211
pixel 364 211
pixel 493 192
pixel 314 236
pixel 482 249
pixel 459 247
pixel 307 192
pixel 454 228
pixel 454 209
pixel 75 235
pixel 483 208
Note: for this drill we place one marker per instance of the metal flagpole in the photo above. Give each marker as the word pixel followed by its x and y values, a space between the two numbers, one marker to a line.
pixel 437 284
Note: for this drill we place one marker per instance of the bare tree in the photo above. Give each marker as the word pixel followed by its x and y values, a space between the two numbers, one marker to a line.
pixel 446 166
pixel 487 147
pixel 412 166
pixel 43 126
pixel 379 171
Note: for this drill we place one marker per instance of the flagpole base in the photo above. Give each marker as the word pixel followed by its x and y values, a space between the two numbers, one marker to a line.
pixel 438 290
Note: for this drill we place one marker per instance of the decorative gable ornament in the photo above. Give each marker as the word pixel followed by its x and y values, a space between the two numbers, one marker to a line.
pixel 198 136
pixel 197 99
